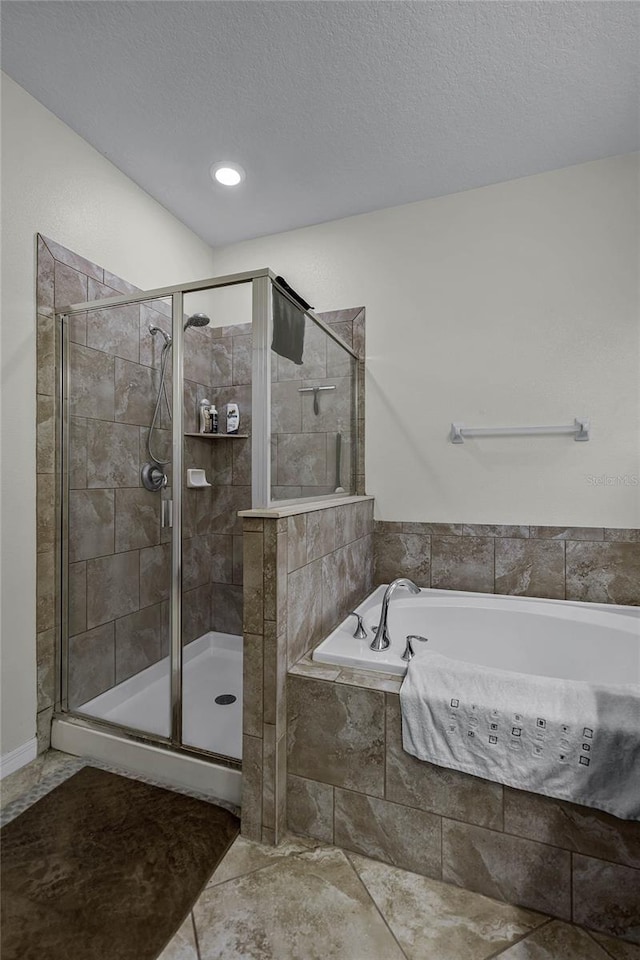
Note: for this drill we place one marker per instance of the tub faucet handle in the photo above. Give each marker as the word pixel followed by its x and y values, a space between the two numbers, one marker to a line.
pixel 409 652
pixel 360 632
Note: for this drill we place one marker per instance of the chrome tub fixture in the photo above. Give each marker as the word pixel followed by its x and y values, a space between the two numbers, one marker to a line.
pixel 382 640
pixel 409 652
pixel 360 633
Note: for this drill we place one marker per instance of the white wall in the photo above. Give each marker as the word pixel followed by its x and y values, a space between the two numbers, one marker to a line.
pixel 511 304
pixel 55 183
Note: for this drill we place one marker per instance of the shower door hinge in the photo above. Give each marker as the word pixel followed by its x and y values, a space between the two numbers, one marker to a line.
pixel 166 515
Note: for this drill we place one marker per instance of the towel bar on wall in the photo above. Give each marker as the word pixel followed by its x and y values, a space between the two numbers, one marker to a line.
pixel 579 428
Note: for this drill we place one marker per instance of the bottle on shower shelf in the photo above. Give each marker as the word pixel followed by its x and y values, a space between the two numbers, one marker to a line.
pixel 233 418
pixel 213 423
pixel 204 417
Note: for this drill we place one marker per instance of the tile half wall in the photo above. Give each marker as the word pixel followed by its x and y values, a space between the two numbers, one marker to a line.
pixel 302 574
pixel 350 782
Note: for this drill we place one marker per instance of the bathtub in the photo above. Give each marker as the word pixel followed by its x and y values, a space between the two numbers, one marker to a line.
pixel 554 638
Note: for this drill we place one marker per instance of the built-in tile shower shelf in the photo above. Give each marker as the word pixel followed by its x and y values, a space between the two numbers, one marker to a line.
pixel 219 436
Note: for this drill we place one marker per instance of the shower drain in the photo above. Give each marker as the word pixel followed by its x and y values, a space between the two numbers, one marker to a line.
pixel 226 698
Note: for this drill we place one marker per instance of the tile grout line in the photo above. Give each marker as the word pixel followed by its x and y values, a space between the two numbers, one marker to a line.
pixel 493 553
pixel 333 814
pixel 265 866
pixel 571 868
pixel 345 853
pixel 195 933
pixel 503 950
pixel 447 816
pixel 601 945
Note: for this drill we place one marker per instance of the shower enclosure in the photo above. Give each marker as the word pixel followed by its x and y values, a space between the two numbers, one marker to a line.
pixel 150 576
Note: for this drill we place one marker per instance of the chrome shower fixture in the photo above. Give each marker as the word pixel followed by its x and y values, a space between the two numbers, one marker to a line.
pixel 195 320
pixel 153 478
pixel 153 330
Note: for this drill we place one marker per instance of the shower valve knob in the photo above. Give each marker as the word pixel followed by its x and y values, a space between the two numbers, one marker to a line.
pixel 153 477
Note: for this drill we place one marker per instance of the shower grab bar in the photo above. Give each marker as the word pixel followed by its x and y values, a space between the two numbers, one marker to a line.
pixel 580 428
pixel 313 389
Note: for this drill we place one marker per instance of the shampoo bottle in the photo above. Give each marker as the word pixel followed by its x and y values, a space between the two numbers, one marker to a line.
pixel 205 419
pixel 213 413
pixel 233 418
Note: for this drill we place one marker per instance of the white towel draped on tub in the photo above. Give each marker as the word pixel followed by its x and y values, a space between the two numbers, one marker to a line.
pixel 562 738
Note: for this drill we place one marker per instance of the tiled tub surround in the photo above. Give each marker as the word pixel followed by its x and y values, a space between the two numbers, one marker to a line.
pixel 119 570
pixel 595 564
pixel 351 783
pixel 302 573
pixel 303 451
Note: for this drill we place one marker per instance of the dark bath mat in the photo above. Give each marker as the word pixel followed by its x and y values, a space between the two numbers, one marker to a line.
pixel 106 868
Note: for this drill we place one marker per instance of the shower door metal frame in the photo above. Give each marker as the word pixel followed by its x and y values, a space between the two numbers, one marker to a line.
pixel 261 392
pixel 262 281
pixel 177 439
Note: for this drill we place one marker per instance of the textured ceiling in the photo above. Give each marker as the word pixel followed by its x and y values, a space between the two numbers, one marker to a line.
pixel 333 108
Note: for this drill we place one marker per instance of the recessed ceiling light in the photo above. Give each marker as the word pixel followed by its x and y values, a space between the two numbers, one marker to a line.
pixel 228 174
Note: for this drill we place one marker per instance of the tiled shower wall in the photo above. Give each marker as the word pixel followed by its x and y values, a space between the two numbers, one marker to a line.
pixel 304 449
pixel 119 572
pixel 212 530
pixel 111 380
pixel 302 574
pixel 596 564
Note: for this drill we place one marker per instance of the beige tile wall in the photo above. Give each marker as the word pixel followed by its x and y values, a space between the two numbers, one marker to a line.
pixel 596 564
pixel 301 575
pixel 350 782
pixel 210 517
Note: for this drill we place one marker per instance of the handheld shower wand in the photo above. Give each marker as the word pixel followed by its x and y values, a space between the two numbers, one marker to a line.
pixel 153 477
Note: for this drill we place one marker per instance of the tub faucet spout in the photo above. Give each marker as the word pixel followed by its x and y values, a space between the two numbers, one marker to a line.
pixel 382 639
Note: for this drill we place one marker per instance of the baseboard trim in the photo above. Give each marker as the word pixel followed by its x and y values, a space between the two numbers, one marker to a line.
pixel 19 757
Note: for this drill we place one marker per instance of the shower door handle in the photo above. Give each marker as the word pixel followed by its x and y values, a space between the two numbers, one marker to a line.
pixel 166 513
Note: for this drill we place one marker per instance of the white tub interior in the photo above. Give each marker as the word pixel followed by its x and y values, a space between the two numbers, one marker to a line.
pixel 597 643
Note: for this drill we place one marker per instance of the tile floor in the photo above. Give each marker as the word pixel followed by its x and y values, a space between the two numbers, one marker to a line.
pixel 309 901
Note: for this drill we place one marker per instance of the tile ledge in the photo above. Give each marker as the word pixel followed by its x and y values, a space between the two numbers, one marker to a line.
pixel 292 510
pixel 307 667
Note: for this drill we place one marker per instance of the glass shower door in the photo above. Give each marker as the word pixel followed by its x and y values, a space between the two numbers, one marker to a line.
pixel 116 540
pixel 217 372
pixel 313 407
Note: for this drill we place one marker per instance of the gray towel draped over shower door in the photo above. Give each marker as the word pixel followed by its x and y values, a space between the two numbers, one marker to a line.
pixel 288 328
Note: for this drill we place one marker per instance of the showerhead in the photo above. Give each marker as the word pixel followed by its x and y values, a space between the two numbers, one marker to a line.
pixel 197 320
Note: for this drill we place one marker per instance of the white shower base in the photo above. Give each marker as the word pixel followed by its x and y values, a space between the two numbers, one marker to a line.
pixel 143 759
pixel 212 665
